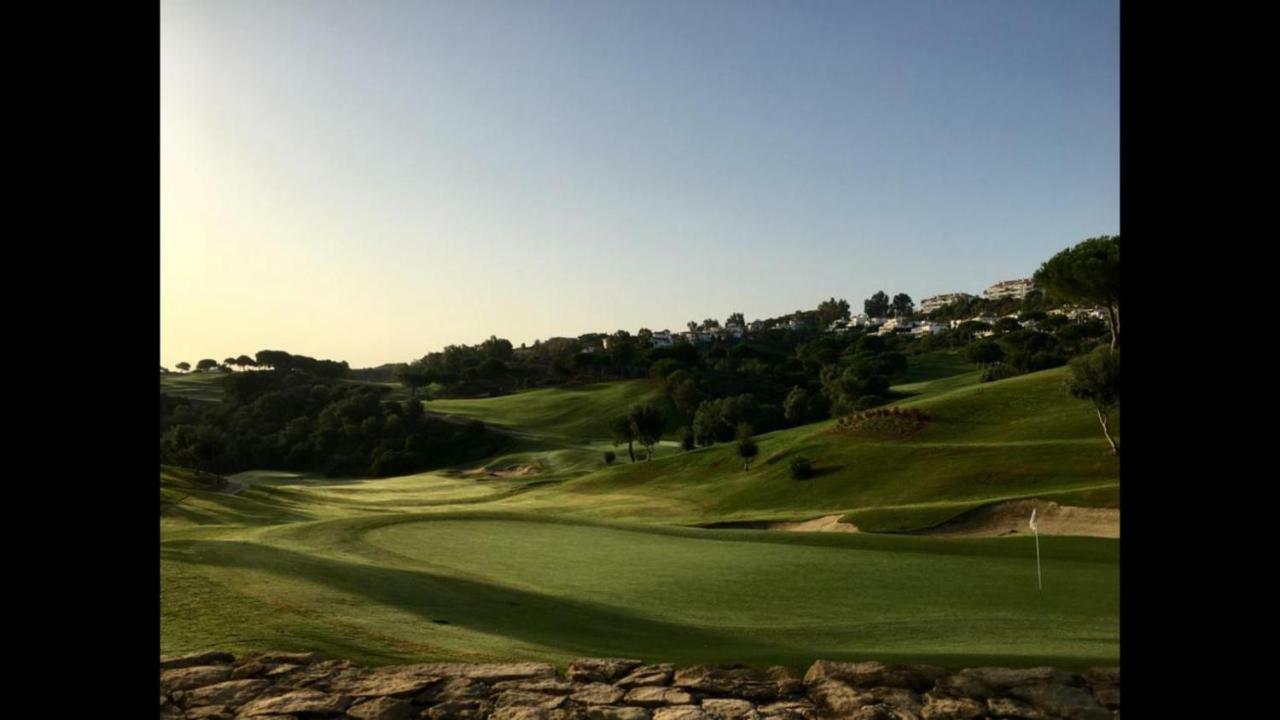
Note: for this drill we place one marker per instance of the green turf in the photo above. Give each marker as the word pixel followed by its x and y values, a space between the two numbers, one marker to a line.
pixel 576 413
pixel 934 366
pixel 584 559
pixel 988 442
pixel 197 387
pixel 404 587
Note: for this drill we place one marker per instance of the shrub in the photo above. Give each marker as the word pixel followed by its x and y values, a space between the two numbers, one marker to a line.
pixel 609 457
pixel 801 468
pixel 999 372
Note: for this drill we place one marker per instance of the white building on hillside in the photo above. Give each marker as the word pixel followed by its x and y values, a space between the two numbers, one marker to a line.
pixel 662 338
pixel 937 302
pixel 929 328
pixel 1009 288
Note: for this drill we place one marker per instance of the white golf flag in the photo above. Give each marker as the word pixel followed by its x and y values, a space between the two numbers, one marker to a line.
pixel 1032 523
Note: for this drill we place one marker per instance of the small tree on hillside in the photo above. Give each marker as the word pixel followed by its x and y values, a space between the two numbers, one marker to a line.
pixel 796 406
pixel 621 431
pixel 245 361
pixel 648 422
pixel 229 362
pixel 206 364
pixel 1096 377
pixel 183 366
pixel 903 306
pixel 746 446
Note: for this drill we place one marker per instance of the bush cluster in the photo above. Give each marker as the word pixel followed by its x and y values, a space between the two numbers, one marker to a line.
pixel 801 468
pixel 884 421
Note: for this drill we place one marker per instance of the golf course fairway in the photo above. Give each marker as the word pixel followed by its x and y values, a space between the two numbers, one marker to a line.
pixel 455 585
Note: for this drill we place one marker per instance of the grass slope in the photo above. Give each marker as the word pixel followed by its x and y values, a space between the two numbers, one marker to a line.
pixel 575 414
pixel 1019 437
pixel 196 386
pixel 394 588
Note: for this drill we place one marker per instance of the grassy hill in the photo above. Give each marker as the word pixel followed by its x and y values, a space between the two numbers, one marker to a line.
pixel 574 558
pixel 577 413
pixel 1016 438
pixel 195 386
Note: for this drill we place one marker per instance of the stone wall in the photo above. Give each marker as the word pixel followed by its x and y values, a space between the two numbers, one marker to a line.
pixel 303 685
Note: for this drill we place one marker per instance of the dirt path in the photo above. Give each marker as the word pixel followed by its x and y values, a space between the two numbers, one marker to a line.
pixel 1010 518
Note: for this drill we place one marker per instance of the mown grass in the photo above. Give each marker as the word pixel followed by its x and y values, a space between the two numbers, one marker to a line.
pixel 483 586
pixel 584 559
pixel 578 413
pixel 197 387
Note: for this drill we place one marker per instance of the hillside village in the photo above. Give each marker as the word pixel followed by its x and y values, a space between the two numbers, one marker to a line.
pixel 918 323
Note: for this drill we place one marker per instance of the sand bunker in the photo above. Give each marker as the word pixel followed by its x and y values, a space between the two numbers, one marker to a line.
pixel 512 471
pixel 826 523
pixel 1010 518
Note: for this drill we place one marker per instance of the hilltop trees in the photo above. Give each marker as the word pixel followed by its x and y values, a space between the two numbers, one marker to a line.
pixel 877 305
pixel 831 310
pixel 903 305
pixel 1088 273
pixel 736 319
pixel 302 421
pixel 1096 377
pixel 206 364
pixel 245 361
pixel 183 366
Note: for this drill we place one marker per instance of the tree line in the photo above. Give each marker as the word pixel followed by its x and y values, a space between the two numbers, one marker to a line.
pixel 296 417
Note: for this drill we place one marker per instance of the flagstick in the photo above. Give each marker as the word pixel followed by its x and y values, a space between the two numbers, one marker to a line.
pixel 1039 582
pixel 1036 529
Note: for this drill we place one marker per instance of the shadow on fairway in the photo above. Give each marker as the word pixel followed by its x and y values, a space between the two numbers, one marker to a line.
pixel 573 626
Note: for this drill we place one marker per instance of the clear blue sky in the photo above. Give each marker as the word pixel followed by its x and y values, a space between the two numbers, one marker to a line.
pixel 372 181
